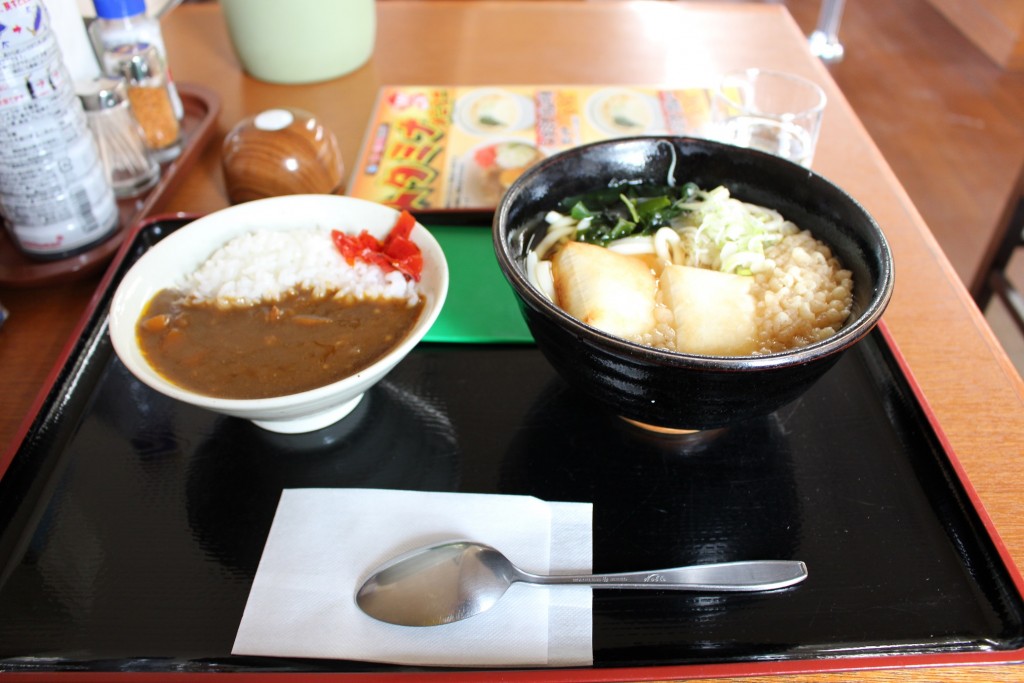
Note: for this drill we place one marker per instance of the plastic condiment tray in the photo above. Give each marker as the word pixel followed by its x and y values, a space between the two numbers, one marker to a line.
pixel 201 107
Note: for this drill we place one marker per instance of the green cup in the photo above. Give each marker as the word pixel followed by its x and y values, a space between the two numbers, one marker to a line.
pixel 301 41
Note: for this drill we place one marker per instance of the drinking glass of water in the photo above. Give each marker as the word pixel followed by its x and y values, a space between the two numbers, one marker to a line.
pixel 771 111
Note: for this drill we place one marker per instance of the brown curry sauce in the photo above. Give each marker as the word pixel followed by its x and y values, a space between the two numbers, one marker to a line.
pixel 298 343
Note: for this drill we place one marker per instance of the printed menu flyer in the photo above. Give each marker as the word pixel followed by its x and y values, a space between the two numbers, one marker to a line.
pixel 440 147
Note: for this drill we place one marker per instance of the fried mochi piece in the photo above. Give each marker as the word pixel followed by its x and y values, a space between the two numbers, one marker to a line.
pixel 607 290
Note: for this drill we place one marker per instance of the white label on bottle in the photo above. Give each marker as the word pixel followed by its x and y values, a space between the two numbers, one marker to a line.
pixel 51 173
pixel 67 222
pixel 54 191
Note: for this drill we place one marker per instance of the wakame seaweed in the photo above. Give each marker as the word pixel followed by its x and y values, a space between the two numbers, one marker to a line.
pixel 627 208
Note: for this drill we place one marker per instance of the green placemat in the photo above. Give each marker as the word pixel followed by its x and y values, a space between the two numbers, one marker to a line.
pixel 480 307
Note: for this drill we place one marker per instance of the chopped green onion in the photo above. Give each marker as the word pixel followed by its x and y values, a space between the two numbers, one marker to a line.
pixel 622 229
pixel 631 208
pixel 580 211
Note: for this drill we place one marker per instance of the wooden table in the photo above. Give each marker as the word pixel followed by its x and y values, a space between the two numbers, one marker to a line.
pixel 975 393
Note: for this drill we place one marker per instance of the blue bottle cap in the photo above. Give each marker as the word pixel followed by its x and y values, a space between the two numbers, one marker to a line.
pixel 119 9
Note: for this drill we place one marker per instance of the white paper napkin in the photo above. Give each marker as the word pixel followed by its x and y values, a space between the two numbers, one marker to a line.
pixel 324 542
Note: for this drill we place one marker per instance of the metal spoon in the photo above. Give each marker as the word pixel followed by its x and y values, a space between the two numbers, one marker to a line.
pixel 452 581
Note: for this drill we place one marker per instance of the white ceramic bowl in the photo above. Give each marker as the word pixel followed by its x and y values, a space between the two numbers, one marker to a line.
pixel 185 249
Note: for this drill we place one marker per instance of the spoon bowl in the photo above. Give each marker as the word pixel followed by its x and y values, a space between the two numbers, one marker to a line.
pixel 452 581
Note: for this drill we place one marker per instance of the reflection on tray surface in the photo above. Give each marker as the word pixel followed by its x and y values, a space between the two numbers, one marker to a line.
pixel 651 483
pixel 393 439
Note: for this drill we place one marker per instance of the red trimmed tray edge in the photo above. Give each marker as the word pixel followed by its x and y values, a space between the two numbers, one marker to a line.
pixel 568 675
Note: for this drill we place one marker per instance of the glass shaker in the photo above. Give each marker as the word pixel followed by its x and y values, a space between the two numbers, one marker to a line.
pixel 132 171
pixel 150 99
pixel 126 22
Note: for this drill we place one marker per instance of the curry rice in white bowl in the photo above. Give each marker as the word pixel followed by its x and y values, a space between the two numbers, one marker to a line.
pixel 250 256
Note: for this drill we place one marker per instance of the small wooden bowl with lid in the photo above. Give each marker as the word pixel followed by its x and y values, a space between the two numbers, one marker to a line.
pixel 280 152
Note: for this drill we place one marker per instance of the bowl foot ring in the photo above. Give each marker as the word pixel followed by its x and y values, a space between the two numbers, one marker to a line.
pixel 657 429
pixel 310 423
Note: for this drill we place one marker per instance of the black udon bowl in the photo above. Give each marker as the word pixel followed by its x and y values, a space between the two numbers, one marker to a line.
pixel 665 388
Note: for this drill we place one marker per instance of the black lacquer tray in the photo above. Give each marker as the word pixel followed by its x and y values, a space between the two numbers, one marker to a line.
pixel 132 525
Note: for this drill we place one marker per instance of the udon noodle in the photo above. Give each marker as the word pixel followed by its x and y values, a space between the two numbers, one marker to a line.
pixel 690 270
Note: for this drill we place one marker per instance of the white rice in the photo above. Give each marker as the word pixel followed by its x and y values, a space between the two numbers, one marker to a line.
pixel 266 265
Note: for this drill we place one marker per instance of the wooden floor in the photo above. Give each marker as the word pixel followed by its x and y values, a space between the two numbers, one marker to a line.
pixel 949 121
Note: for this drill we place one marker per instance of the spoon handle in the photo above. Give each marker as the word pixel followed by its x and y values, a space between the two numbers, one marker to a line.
pixel 756 575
